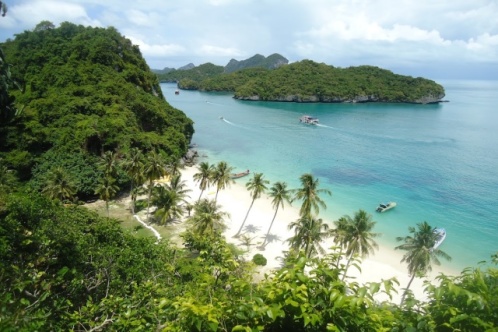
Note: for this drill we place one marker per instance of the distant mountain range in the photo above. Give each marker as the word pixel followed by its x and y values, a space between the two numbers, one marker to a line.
pixel 207 70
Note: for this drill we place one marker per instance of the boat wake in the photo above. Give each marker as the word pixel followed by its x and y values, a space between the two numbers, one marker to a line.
pixel 324 126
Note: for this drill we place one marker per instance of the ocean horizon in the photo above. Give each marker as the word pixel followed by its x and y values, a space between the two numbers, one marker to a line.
pixel 438 162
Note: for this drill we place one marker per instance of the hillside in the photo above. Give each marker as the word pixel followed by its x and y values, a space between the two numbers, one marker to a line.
pixel 308 81
pixel 86 91
pixel 193 75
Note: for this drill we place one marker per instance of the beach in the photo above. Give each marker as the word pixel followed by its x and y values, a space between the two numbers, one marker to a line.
pixel 236 199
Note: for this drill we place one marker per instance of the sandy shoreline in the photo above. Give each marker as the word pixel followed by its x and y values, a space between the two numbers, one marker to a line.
pixel 236 199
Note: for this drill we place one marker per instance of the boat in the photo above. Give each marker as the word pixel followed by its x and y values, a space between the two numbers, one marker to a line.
pixel 308 120
pixel 239 175
pixel 441 236
pixel 384 207
pixel 177 92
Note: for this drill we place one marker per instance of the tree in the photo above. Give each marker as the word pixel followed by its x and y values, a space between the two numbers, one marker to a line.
pixel 309 194
pixel 154 169
pixel 170 200
pixel 308 233
pixel 420 251
pixel 134 167
pixel 106 190
pixel 256 186
pixel 207 217
pixel 59 185
pixel 221 177
pixel 203 177
pixel 108 164
pixel 279 194
pixel 168 203
pixel 356 236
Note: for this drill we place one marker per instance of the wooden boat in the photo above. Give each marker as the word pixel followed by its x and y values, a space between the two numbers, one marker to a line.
pixel 239 175
pixel 384 207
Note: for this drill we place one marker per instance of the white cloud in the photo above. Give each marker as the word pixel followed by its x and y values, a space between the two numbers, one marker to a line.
pixel 396 33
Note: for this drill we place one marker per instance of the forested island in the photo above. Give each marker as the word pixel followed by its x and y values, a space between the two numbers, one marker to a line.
pixel 83 118
pixel 272 79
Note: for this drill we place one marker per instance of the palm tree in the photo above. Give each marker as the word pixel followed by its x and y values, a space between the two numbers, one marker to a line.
pixel 108 163
pixel 106 190
pixel 207 217
pixel 221 177
pixel 256 186
pixel 308 193
pixel 169 204
pixel 356 236
pixel 308 233
pixel 59 185
pixel 134 166
pixel 280 195
pixel 203 177
pixel 420 251
pixel 154 169
pixel 175 166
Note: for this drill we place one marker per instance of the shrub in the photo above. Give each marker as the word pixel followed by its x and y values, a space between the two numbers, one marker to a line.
pixel 259 259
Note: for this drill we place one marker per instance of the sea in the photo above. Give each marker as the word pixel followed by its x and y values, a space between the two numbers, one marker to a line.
pixel 438 162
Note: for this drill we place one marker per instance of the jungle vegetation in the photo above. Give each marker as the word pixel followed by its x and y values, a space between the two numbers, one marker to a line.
pixel 84 91
pixel 95 122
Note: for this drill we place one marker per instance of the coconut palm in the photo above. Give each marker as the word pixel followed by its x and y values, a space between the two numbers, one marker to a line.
pixel 221 177
pixel 174 167
pixel 169 204
pixel 59 185
pixel 106 190
pixel 134 166
pixel 153 170
pixel 178 185
pixel 256 186
pixel 207 217
pixel 309 194
pixel 279 194
pixel 308 233
pixel 420 251
pixel 355 235
pixel 203 177
pixel 108 163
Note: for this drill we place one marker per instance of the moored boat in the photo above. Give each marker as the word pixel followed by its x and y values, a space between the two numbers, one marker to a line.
pixel 308 120
pixel 239 175
pixel 384 207
pixel 441 232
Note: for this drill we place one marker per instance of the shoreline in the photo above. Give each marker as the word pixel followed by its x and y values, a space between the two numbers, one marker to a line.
pixel 235 200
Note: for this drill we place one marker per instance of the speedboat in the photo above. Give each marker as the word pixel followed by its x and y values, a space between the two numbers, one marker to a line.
pixel 308 120
pixel 384 207
pixel 441 232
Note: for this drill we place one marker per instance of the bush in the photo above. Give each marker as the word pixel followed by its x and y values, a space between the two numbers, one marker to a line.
pixel 259 259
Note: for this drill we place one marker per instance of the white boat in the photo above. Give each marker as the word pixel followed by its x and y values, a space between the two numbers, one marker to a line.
pixel 384 207
pixel 308 120
pixel 441 236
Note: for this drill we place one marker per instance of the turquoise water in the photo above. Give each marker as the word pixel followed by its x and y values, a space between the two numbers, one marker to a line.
pixel 438 162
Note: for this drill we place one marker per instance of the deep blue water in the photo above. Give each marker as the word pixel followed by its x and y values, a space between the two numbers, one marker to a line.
pixel 438 162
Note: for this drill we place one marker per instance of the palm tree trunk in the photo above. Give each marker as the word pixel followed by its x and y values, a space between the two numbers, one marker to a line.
pixel 148 200
pixel 406 289
pixel 216 196
pixel 269 228
pixel 347 267
pixel 241 226
pixel 132 200
pixel 199 199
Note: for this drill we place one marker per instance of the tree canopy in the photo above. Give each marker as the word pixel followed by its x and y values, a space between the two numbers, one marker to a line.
pixel 85 91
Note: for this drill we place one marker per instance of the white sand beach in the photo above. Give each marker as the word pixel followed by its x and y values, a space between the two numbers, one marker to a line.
pixel 236 199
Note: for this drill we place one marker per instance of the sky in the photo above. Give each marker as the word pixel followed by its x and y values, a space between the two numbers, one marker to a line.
pixel 436 39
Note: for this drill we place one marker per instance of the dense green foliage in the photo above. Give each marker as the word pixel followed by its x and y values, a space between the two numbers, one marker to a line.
pixel 66 269
pixel 257 61
pixel 195 74
pixel 308 81
pixel 86 91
